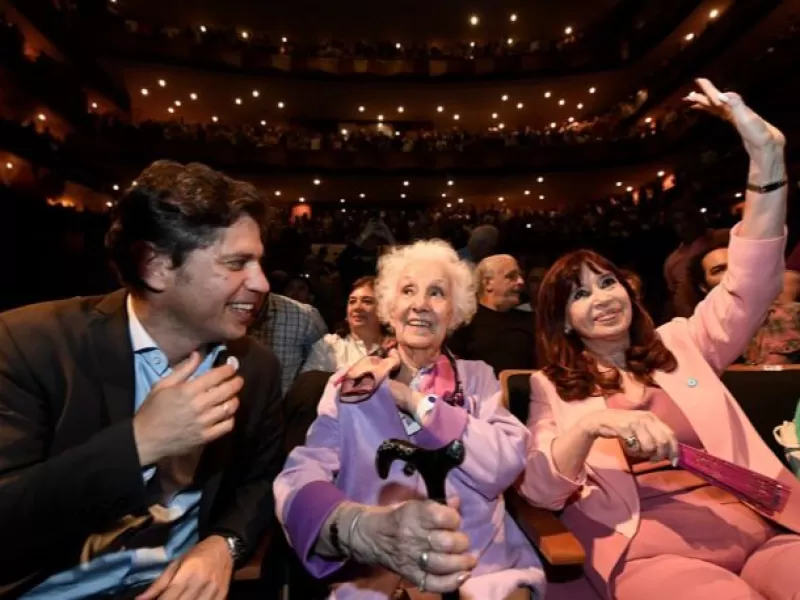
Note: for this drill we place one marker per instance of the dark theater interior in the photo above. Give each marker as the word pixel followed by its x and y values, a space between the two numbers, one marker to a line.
pixel 399 301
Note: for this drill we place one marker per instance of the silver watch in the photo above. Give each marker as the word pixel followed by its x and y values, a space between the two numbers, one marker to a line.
pixel 236 547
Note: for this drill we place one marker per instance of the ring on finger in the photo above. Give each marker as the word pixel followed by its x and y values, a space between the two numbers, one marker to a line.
pixel 632 442
pixel 422 581
pixel 423 561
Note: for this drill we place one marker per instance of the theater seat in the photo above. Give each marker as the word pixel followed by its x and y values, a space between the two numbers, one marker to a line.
pixel 768 396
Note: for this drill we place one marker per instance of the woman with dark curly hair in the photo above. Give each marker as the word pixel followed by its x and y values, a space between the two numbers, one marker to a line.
pixel 627 418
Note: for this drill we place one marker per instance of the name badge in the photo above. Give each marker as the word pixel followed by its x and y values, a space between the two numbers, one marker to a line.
pixel 410 425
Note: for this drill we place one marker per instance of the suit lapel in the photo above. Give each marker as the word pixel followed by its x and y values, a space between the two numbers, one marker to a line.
pixel 112 354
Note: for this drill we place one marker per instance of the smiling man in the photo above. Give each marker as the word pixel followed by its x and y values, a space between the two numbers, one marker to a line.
pixel 498 335
pixel 140 432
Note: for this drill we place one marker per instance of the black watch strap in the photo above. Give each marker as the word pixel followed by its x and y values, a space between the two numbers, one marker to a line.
pixel 767 188
pixel 237 549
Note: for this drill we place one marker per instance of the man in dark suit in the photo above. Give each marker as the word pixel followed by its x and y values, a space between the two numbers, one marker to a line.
pixel 140 432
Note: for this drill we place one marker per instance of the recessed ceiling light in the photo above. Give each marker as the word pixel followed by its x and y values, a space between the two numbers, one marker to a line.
pixel 580 105
pixel 504 98
pixel 406 183
pixel 648 120
pixel 513 18
pixel 527 192
pixel 592 90
pixel 144 91
pixel 528 226
pixel 380 117
pixel 344 210
pixel 281 105
pixel 109 204
pixel 541 196
pixel 451 182
pixel 277 192
pixel 317 182
pixel 510 41
pixel 361 109
pixel 501 199
pixel 562 102
pixel 238 100
pixel 461 201
pixel 9 165
pixel 193 96
pixel 456 117
pixel 548 94
pixel 520 105
pixel 449 205
pixel 402 195
pixel 400 109
pixel 540 180
pixel 440 109
pixel 568 30
pixel 619 184
pixel 203 29
pixel 342 200
pixel 256 93
pixel 215 119
pixel 245 35
pixel 162 82
pixel 472 44
pixel 501 126
pixel 571 119
pixel 362 195
pixel 713 14
pixel 474 20
pixel 444 194
pixel 553 124
pixel 177 102
pixel 302 199
pixel 284 40
pixel 660 173
pixel 689 37
pixel 629 188
pixel 263 123
pixel 170 110
pixel 115 187
pixel 494 115
pixel 344 132
pixel 398 45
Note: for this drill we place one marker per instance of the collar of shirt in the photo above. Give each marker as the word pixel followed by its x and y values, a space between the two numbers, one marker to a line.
pixel 145 346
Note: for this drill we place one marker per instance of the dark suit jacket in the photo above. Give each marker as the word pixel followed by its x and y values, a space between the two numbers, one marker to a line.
pixel 68 462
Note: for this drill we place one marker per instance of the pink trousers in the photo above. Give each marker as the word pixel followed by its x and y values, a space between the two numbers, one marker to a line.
pixel 771 572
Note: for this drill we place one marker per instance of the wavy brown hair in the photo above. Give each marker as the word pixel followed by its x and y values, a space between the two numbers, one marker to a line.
pixel 572 369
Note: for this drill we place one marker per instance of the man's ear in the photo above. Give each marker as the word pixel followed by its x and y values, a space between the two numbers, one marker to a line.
pixel 156 269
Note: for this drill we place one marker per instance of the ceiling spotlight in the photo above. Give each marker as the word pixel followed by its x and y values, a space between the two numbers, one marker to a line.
pixel 472 44
pixel 144 91
pixel 203 29
pixel 9 165
pixel 562 102
pixel 398 45
pixel 245 35
pixel 540 180
pixel 238 100
pixel 402 195
pixel 501 126
pixel 134 183
pixel 568 30
pixel 494 115
pixel 648 120
pixel 302 200
pixel 703 210
pixel 449 205
pixel 528 226
pixel 109 204
pixel 400 109
pixel 619 184
pixel 553 124
pixel 277 192
pixel 660 173
pixel 580 105
pixel 461 201
pixel 451 182
pixel 115 187
pixel 547 94
pixel 193 96
pixel 342 200
pixel 629 189
pixel 440 109
pixel 362 195
pixel 541 196
pixel 510 41
pixel 263 123
pixel 456 117
pixel 713 14
pixel 689 37
pixel 94 104
pixel 571 119
pixel 344 210
pixel 520 105
pixel 592 90
pixel 215 119
pixel 171 110
pixel 513 18
pixel 504 98
pixel 281 105
pixel 361 109
pixel 284 40
pixel 344 132
pixel 256 93
pixel 527 192
pixel 380 117
pixel 501 199
pixel 474 20
pixel 317 182
pixel 162 83
pixel 177 102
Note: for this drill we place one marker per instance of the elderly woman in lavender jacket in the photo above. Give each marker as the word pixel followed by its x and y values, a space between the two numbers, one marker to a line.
pixel 380 539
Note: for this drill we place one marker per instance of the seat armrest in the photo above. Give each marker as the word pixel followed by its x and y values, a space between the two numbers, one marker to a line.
pixel 251 570
pixel 555 543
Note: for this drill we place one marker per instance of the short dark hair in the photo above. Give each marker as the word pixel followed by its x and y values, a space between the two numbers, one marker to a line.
pixel 174 209
pixel 697 274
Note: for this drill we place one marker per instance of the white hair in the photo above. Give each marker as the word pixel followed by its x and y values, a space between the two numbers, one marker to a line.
pixel 462 283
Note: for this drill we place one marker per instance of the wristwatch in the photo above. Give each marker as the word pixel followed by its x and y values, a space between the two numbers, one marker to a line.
pixel 236 547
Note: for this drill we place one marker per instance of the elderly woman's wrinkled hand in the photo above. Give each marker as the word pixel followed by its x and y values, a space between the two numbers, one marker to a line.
pixel 404 397
pixel 422 541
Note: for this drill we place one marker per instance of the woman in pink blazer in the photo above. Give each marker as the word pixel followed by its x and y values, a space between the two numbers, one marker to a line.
pixel 617 395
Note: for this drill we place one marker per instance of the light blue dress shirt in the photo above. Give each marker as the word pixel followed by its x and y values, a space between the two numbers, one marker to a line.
pixel 114 572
